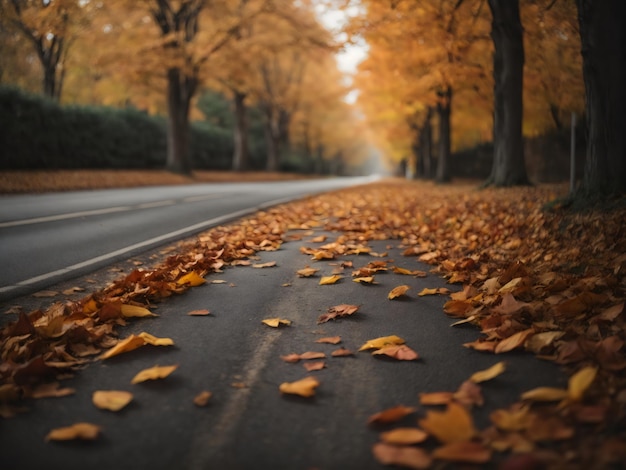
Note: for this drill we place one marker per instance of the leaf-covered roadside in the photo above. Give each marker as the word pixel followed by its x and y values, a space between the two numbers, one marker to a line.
pixel 549 282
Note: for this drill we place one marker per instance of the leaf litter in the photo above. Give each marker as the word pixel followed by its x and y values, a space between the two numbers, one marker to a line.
pixel 558 294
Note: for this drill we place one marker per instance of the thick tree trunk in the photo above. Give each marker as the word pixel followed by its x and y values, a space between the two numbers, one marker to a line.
pixel 443 111
pixel 178 99
pixel 603 38
pixel 241 154
pixel 426 145
pixel 272 140
pixel 508 168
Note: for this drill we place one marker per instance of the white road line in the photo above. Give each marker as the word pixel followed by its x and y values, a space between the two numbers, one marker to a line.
pixel 108 210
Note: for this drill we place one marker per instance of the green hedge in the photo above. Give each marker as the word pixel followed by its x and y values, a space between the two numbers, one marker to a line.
pixel 36 133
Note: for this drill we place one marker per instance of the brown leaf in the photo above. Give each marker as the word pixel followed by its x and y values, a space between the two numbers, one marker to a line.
pixel 463 451
pixel 199 312
pixel 469 394
pixel 45 293
pixel 130 311
pixel 397 292
pixel 307 272
pixel 453 425
pixel 312 355
pixel 304 387
pixel 202 398
pixel 85 431
pixel 409 457
pixel 436 398
pixel 514 341
pixel 313 366
pixel 401 352
pixel 269 264
pixel 364 280
pixel 113 400
pixel 153 373
pixel 341 352
pixel 404 436
pixel 49 390
pixel 408 272
pixel 391 415
pixel 337 311
pixel 434 291
pixel 329 340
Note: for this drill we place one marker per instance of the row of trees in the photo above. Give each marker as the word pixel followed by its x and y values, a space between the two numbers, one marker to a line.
pixel 505 68
pixel 159 55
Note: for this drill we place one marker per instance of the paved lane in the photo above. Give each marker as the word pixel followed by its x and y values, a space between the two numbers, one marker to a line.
pixel 52 237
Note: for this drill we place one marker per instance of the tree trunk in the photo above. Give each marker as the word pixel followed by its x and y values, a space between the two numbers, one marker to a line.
pixel 508 168
pixel 272 139
pixel 178 99
pixel 426 144
pixel 443 110
pixel 241 155
pixel 603 38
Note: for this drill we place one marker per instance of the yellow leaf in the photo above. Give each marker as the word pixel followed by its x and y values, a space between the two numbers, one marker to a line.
pixel 453 425
pixel 397 292
pixel 307 272
pixel 512 420
pixel 202 399
pixel 364 280
pixel 154 341
pixel 135 311
pixel 545 394
pixel 326 280
pixel 153 373
pixel 514 341
pixel 129 344
pixel 113 400
pixel 404 436
pixel 276 322
pixel 488 374
pixel 304 387
pixel 407 272
pixel 434 291
pixel 86 431
pixel 580 381
pixel 192 278
pixel 378 343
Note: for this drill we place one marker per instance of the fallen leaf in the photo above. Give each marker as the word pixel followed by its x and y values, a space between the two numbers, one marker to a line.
pixel 452 425
pixel 383 341
pixel 434 291
pixel 130 311
pixel 112 400
pixel 401 352
pixel 85 431
pixel 129 344
pixel 73 290
pixel 291 358
pixel 516 419
pixel 327 280
pixel 337 311
pixel 219 281
pixel 398 291
pixel 514 341
pixel 391 415
pixel 463 451
pixel 469 394
pixel 307 272
pixel 269 264
pixel 341 352
pixel 202 398
pixel 276 322
pixel 408 272
pixel 410 457
pixel 193 279
pixel 580 382
pixel 304 387
pixel 199 312
pixel 436 398
pixel 154 341
pixel 329 340
pixel 488 374
pixel 153 373
pixel 312 355
pixel 364 280
pixel 404 436
pixel 545 394
pixel 49 390
pixel 313 366
pixel 45 293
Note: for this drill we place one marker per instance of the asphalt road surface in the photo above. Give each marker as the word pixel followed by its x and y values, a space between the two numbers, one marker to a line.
pixel 47 238
pixel 248 423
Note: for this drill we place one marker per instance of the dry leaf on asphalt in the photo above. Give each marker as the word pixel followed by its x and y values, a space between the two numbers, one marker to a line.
pixel 341 352
pixel 199 313
pixel 329 340
pixel 191 279
pixel 130 311
pixel 313 366
pixel 153 373
pixel 276 322
pixel 304 387
pixel 455 424
pixel 202 398
pixel 364 280
pixel 397 292
pixel 404 436
pixel 400 352
pixel 434 291
pixel 391 415
pixel 269 264
pixel 46 390
pixel 408 272
pixel 129 344
pixel 381 342
pixel 327 280
pixel 307 272
pixel 407 457
pixel 342 310
pixel 84 431
pixel 488 374
pixel 463 451
pixel 155 341
pixel 112 400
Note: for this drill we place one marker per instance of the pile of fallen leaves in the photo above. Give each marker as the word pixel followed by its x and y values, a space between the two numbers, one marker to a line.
pixel 542 280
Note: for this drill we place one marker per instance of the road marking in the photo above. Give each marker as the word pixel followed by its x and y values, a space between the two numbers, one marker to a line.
pixel 108 210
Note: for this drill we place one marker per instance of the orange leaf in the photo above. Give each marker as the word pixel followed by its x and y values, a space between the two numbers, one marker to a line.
pixel 382 341
pixel 329 340
pixel 341 352
pixel 130 311
pixel 312 366
pixel 488 374
pixel 276 322
pixel 436 398
pixel 337 311
pixel 86 431
pixel 408 272
pixel 391 415
pixel 126 345
pixel 453 425
pixel 464 451
pixel 192 278
pixel 514 341
pixel 404 436
pixel 202 398
pixel 304 387
pixel 545 394
pixel 200 312
pixel 269 264
pixel 401 352
pixel 398 291
pixel 434 291
pixel 112 400
pixel 364 280
pixel 409 457
pixel 153 373
pixel 312 355
pixel 307 272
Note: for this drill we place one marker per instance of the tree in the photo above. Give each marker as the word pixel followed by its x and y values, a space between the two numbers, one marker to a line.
pixel 46 25
pixel 603 37
pixel 508 71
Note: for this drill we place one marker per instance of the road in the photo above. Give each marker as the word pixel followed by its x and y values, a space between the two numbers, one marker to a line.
pixel 47 238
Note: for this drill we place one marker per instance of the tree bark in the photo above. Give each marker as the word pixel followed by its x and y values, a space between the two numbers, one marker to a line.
pixel 509 168
pixel 444 105
pixel 180 89
pixel 603 38
pixel 426 144
pixel 272 139
pixel 242 154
